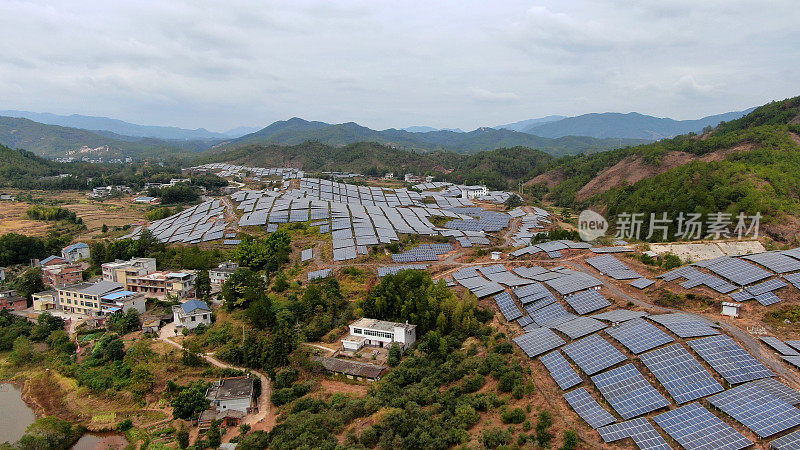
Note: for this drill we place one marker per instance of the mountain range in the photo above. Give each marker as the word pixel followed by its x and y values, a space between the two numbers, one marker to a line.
pixel 58 135
pixel 120 127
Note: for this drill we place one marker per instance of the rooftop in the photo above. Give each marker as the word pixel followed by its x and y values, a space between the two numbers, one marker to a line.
pixel 100 288
pixel 191 305
pixel 118 294
pixel 347 367
pixel 375 324
pixel 74 246
pixel 229 388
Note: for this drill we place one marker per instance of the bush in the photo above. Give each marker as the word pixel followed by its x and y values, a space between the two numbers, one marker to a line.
pixel 369 437
pixel 570 440
pixel 495 437
pixel 543 435
pixel 514 415
pixel 285 378
pixel 125 425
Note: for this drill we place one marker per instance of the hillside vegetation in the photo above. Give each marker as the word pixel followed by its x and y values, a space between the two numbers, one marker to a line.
pixel 758 170
pixel 296 131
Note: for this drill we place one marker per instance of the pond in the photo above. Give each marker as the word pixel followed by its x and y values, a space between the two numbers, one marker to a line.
pixel 17 414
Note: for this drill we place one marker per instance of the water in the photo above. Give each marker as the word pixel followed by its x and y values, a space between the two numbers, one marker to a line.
pixel 100 441
pixel 17 415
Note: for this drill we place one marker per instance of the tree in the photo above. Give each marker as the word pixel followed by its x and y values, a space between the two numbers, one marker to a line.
pixel 190 402
pixel 570 440
pixel 45 325
pixel 23 352
pixel 513 201
pixel 50 432
pixel 30 283
pixel 264 254
pixel 394 354
pixel 104 229
pixel 242 288
pixel 202 285
pixel 543 435
pixel 182 436
pixel 124 323
pixel 214 436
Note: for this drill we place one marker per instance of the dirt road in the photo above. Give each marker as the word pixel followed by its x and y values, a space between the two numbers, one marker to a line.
pixel 265 419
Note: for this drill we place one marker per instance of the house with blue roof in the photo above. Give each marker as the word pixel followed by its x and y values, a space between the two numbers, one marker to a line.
pixel 122 301
pixel 75 252
pixel 190 314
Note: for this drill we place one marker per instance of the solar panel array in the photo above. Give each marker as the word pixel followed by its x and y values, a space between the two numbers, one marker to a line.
pixel 619 315
pixel 789 442
pixel 507 306
pixel 735 269
pixel 640 430
pixel 628 391
pixel 641 283
pixel 729 359
pixel 588 408
pixel 778 262
pixel 499 274
pixel 695 428
pixel 230 170
pixel 393 270
pixel 423 252
pixel 684 325
pixel 593 354
pixel 777 389
pixel 756 409
pixel 613 267
pixel 611 249
pixel 638 335
pixel 684 378
pixel 779 346
pixel 200 223
pixel 471 279
pixel 534 292
pixel 551 315
pixel 568 281
pixel 587 301
pixel 559 368
pixel 696 278
pixel 538 341
pixel 307 254
pixel 317 274
pixel 580 327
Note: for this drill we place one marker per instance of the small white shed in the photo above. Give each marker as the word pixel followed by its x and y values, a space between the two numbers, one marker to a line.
pixel 731 309
pixel 496 256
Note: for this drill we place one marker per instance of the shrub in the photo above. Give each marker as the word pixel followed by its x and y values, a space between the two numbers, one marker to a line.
pixel 495 437
pixel 514 415
pixel 125 425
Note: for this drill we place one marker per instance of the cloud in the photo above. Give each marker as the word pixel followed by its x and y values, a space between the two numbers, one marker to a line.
pixel 494 97
pixel 383 64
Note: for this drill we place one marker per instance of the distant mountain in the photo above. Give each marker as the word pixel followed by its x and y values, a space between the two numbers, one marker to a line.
pixel 422 129
pixel 631 126
pixel 523 124
pixel 58 141
pixel 125 128
pixel 296 131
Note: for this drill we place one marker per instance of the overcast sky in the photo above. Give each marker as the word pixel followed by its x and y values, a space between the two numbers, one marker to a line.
pixel 386 64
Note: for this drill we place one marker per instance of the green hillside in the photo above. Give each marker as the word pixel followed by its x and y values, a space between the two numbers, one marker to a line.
pixel 765 179
pixel 53 140
pixel 296 131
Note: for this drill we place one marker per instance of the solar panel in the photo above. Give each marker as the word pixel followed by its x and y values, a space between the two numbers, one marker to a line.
pixel 580 327
pixel 588 301
pixel 538 341
pixel 777 389
pixel 551 315
pixel 638 335
pixel 736 270
pixel 756 409
pixel 777 262
pixel 641 283
pixel 640 430
pixel 789 442
pixel 593 354
pixel 588 408
pixel 768 298
pixel 628 391
pixel 619 315
pixel 793 360
pixel 685 325
pixel 683 377
pixel 524 320
pixel 766 286
pixel 779 346
pixel 324 273
pixel 307 254
pixel 794 344
pixel 564 375
pixel 507 306
pixel 729 359
pixel 695 428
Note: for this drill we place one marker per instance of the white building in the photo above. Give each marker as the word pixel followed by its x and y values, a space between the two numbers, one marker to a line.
pixel 119 270
pixel 191 314
pixel 75 252
pixel 221 274
pixel 2 274
pixel 122 301
pixel 470 192
pixel 731 309
pixel 378 333
pixel 232 394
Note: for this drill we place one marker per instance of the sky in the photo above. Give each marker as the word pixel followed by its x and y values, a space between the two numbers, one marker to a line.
pixel 383 64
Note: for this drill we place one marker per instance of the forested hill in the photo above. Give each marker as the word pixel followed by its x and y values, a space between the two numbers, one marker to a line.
pixel 53 140
pixel 751 164
pixel 499 168
pixel 296 131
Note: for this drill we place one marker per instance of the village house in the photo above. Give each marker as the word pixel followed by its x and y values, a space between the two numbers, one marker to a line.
pixel 75 252
pixel 354 370
pixel 190 314
pixel 379 333
pixel 232 394
pixel 221 274
pixel 162 284
pixel 145 199
pixel 61 274
pixel 119 270
pixel 10 300
pixel 470 192
pixel 85 298
pixel 121 301
pixel 45 300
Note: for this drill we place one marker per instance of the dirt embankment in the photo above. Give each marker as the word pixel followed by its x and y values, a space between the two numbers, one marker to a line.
pixel 46 397
pixel 635 168
pixel 551 179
